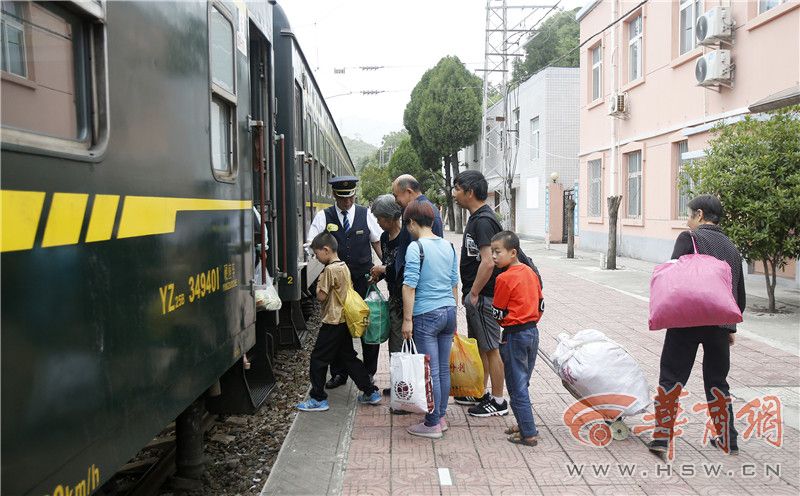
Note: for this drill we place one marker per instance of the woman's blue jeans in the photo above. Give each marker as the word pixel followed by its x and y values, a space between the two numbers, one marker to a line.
pixel 518 351
pixel 433 335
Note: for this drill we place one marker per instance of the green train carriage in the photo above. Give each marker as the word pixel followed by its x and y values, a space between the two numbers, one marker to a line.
pixel 131 168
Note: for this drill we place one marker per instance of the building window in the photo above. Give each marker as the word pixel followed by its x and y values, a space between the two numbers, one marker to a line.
pixel 634 184
pixel 54 66
pixel 765 5
pixel 595 188
pixel 535 138
pixel 690 10
pixel 635 48
pixel 12 27
pixel 223 93
pixel 597 72
pixel 682 191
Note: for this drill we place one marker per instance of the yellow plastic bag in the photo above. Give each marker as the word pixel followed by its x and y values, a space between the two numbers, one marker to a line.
pixel 466 368
pixel 356 313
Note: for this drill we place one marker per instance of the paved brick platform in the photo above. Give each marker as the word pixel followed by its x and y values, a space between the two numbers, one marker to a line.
pixel 474 456
pixel 477 459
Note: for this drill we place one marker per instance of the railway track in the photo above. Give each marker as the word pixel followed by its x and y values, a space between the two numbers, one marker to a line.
pixel 153 466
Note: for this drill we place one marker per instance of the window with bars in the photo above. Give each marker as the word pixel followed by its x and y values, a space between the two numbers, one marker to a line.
pixel 535 137
pixel 765 5
pixel 597 72
pixel 690 11
pixel 634 185
pixel 635 48
pixel 12 31
pixel 683 183
pixel 595 188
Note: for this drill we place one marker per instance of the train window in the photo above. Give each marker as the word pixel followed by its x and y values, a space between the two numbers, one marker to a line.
pixel 53 69
pixel 317 153
pixel 223 94
pixel 307 132
pixel 221 135
pixel 222 59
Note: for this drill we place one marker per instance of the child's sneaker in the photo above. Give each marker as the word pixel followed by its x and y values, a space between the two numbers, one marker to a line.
pixel 423 430
pixel 371 399
pixel 443 424
pixel 312 405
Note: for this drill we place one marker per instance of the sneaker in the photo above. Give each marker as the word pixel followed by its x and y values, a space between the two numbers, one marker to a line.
pixel 312 405
pixel 489 408
pixel 468 400
pixel 716 442
pixel 373 398
pixel 443 424
pixel 658 446
pixel 423 430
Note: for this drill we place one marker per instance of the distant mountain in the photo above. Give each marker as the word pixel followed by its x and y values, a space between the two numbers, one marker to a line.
pixel 358 149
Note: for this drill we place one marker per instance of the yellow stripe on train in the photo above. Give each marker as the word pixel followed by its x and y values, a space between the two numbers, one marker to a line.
pixel 148 215
pixel 20 215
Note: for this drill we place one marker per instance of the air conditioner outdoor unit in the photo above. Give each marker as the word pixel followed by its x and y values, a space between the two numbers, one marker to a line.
pixel 618 105
pixel 713 68
pixel 714 26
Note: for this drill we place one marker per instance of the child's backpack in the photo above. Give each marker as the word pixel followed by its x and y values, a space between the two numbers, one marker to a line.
pixel 356 313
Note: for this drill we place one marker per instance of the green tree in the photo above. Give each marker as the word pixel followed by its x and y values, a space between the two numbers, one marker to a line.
pixel 359 150
pixel 555 42
pixel 393 139
pixel 447 108
pixel 430 160
pixel 406 160
pixel 753 166
pixel 373 181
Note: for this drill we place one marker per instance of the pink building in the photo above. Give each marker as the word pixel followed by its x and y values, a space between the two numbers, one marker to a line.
pixel 634 140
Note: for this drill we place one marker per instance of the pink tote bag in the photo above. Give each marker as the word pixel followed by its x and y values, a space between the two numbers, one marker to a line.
pixel 694 290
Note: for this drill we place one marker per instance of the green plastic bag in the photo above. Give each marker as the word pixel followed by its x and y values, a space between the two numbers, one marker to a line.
pixel 378 329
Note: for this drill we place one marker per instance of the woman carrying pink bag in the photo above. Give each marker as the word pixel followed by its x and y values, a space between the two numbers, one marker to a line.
pixel 680 343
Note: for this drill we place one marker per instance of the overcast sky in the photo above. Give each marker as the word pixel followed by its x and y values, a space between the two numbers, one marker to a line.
pixel 406 36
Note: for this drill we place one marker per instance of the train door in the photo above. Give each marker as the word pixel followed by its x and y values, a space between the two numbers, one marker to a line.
pixel 248 384
pixel 261 115
pixel 299 147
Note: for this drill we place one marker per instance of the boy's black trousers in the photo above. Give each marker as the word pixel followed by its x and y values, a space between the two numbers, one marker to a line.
pixel 334 343
pixel 370 351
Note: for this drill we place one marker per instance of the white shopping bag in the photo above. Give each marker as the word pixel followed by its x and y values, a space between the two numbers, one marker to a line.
pixel 592 363
pixel 266 295
pixel 412 390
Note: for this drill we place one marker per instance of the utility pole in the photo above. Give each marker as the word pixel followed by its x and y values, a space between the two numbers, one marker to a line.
pixel 613 199
pixel 507 30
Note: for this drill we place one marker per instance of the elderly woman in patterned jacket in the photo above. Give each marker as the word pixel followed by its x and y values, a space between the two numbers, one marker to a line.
pixel 680 345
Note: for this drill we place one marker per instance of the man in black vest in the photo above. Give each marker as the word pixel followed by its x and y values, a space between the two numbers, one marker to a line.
pixel 358 233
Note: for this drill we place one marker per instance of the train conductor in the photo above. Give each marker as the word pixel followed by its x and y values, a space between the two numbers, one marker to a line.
pixel 358 233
